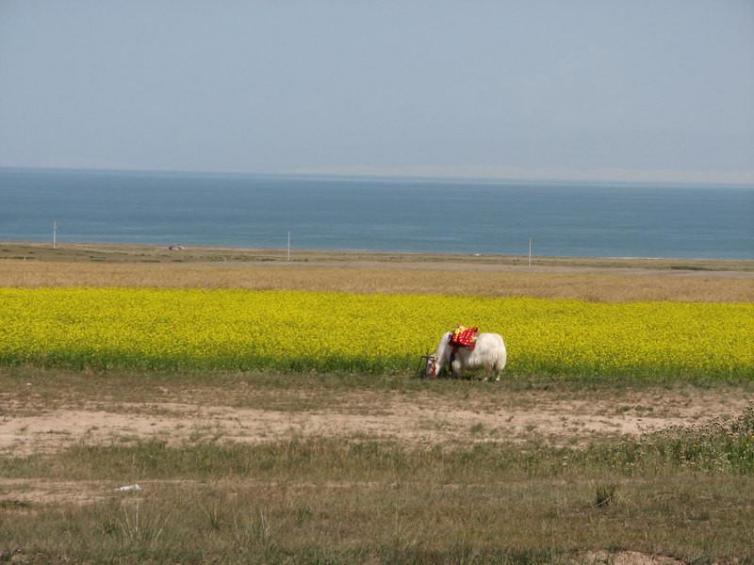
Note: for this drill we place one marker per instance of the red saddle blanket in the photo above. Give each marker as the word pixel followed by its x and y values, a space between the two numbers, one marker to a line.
pixel 464 337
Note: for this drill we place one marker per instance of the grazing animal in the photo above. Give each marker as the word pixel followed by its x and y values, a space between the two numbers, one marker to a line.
pixel 489 354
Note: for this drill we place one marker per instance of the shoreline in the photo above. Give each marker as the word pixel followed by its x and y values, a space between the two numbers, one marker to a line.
pixel 161 253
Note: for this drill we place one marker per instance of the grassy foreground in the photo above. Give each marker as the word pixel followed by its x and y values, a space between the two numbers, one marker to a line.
pixel 686 494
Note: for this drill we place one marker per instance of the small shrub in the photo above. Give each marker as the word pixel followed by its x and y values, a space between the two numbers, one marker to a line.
pixel 605 495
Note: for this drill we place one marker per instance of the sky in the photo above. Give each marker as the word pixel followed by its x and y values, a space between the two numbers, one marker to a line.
pixel 640 90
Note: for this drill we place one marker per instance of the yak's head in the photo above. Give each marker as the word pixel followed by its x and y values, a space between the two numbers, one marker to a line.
pixel 432 369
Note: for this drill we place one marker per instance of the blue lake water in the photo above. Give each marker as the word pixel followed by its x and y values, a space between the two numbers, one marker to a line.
pixel 565 219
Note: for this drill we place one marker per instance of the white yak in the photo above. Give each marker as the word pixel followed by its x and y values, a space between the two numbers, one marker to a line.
pixel 489 354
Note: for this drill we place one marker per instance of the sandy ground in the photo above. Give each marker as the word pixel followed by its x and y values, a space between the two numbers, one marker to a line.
pixel 422 419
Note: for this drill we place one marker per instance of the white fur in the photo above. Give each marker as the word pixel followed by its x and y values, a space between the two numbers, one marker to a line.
pixel 488 354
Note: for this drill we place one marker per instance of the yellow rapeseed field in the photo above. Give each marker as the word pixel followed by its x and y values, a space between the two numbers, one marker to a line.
pixel 292 330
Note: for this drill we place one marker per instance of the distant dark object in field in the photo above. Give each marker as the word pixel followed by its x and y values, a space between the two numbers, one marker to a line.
pixel 690 268
pixel 176 247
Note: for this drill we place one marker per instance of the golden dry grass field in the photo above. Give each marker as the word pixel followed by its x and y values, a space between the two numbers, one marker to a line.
pixel 275 467
pixel 586 279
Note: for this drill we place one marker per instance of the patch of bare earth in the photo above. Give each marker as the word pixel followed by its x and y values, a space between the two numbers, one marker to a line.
pixel 627 558
pixel 25 493
pixel 420 419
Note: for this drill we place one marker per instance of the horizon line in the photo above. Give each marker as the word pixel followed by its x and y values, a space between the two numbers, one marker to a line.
pixel 376 175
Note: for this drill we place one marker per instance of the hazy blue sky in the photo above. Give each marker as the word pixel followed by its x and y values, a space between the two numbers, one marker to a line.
pixel 628 89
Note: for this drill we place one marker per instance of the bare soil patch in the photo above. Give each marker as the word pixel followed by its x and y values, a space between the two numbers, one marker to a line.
pixel 626 558
pixel 422 418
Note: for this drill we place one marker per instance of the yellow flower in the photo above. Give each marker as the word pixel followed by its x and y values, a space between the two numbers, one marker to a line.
pixel 292 330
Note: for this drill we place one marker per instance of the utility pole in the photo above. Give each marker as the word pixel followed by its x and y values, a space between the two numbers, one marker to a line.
pixel 530 253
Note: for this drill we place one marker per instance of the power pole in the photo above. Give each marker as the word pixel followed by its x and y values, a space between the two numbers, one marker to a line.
pixel 530 253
